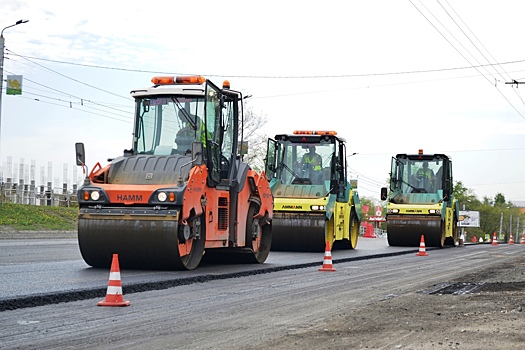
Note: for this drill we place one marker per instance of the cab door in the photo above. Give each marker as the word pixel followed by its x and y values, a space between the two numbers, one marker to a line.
pixel 270 166
pixel 213 132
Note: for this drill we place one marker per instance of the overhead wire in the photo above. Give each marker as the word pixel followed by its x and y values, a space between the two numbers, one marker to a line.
pixel 365 87
pixel 461 54
pixel 77 100
pixel 106 105
pixel 73 79
pixel 276 76
pixel 458 41
pixel 479 41
pixel 77 109
pixel 81 102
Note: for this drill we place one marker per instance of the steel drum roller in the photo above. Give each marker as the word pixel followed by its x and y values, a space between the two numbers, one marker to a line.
pixel 139 243
pixel 298 232
pixel 403 230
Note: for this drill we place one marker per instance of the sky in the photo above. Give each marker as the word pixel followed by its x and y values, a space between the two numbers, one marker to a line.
pixel 389 76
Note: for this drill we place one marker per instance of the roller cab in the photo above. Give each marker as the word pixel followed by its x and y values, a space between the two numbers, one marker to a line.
pixel 420 201
pixel 313 201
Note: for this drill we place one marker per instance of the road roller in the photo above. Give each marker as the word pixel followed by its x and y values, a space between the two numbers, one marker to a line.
pixel 182 191
pixel 420 201
pixel 314 203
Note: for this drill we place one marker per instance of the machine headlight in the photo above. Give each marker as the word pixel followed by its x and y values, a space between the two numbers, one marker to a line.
pixel 161 196
pixel 393 211
pixel 95 195
pixel 434 211
pixel 318 207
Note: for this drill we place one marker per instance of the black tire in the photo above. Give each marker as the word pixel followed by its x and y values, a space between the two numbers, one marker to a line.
pixel 353 235
pixel 258 238
pixel 193 258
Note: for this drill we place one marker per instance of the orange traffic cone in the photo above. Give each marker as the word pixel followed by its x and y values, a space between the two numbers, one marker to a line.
pixel 511 240
pixel 474 239
pixel 494 239
pixel 114 293
pixel 523 238
pixel 422 249
pixel 369 233
pixel 327 261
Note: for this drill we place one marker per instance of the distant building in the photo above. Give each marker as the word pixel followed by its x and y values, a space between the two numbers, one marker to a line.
pixel 520 204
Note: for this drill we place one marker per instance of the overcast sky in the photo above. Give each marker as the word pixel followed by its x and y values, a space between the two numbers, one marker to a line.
pixel 390 76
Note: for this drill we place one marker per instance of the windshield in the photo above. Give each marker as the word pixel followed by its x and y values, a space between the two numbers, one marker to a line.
pixel 168 124
pixel 300 163
pixel 421 176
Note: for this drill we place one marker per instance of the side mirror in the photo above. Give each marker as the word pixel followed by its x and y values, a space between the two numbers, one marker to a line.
pixel 80 155
pixel 384 193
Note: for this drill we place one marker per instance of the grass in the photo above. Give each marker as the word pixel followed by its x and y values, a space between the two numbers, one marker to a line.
pixel 22 217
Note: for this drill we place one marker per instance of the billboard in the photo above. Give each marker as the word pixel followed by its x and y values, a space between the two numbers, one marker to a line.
pixel 468 218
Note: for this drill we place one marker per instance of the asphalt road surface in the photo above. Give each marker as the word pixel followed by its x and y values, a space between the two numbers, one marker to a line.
pixel 379 297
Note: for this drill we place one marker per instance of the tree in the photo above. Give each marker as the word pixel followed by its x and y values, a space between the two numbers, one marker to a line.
pixel 488 201
pixel 463 194
pixel 490 212
pixel 256 140
pixel 499 200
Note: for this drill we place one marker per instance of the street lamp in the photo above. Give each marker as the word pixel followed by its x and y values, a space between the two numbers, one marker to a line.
pixel 2 73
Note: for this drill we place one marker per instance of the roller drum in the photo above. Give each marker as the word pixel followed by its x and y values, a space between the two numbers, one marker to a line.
pixel 139 243
pixel 298 232
pixel 406 231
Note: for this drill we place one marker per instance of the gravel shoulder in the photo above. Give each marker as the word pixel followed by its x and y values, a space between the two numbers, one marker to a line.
pixel 8 233
pixel 490 316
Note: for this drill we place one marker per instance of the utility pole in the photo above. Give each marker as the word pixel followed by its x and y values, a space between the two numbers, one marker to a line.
pixel 2 42
pixel 500 225
pixel 510 228
pixel 462 228
pixel 517 229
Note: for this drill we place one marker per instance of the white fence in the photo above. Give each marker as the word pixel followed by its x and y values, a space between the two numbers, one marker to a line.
pixel 18 184
pixel 37 195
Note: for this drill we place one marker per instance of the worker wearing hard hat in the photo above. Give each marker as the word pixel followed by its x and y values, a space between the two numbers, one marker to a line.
pixel 427 175
pixel 312 163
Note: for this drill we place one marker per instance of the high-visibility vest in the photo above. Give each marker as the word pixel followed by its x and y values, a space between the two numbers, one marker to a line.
pixel 315 161
pixel 422 172
pixel 185 134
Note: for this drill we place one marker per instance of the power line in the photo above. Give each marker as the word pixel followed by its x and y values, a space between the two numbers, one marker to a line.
pixel 77 109
pixel 461 54
pixel 454 151
pixel 73 79
pixel 81 101
pixel 486 59
pixel 465 34
pixel 278 76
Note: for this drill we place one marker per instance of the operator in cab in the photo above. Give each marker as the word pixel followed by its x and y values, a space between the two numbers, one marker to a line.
pixel 425 177
pixel 186 135
pixel 311 164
